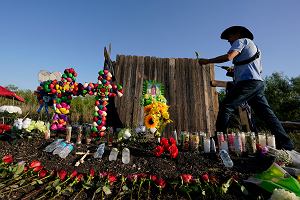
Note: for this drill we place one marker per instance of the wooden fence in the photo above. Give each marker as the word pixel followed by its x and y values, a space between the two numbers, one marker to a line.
pixel 193 102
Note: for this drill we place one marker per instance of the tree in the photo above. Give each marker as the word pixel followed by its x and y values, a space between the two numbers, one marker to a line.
pixel 12 87
pixel 283 96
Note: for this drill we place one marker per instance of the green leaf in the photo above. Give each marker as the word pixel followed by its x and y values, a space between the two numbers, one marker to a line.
pixel 33 182
pixel 194 188
pixel 39 182
pixel 98 190
pixel 244 190
pixel 48 187
pixel 56 182
pixel 125 188
pixel 106 190
pixel 58 188
pixel 22 182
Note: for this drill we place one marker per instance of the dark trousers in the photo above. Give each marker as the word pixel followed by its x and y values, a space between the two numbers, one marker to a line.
pixel 252 91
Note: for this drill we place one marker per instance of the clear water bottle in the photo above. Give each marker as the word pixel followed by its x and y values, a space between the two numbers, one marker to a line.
pixel 53 145
pixel 100 151
pixel 212 145
pixel 125 155
pixel 226 158
pixel 113 154
pixel 65 152
pixel 59 148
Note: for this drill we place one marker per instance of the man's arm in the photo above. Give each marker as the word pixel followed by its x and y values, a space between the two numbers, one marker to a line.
pixel 220 59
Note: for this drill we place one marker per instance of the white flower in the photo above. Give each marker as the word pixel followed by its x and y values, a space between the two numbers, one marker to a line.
pixel 11 109
pixel 18 123
pixel 281 194
pixel 127 134
pixel 26 123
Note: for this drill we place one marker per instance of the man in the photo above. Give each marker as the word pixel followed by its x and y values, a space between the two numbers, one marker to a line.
pixel 248 83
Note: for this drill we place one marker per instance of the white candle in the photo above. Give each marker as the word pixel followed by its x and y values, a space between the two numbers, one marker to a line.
pixel 243 139
pixel 262 140
pixel 271 141
pixel 206 145
pixel 69 134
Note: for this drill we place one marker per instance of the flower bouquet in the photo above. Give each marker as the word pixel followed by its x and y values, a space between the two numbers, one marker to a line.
pixel 155 107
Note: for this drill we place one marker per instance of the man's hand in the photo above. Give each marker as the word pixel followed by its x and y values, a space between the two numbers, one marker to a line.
pixel 203 61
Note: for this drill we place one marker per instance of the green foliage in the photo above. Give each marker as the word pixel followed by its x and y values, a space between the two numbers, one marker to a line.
pixel 283 95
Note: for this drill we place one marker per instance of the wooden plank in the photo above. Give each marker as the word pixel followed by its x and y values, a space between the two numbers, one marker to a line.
pixel 171 92
pixel 206 99
pixel 140 75
pixel 291 125
pixel 216 83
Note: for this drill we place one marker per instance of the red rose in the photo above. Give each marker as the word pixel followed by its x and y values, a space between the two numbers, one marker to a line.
pixel 173 151
pixel 79 177
pixel 133 177
pixel 7 159
pixel 92 172
pixel 165 143
pixel 111 178
pixel 42 173
pixel 158 151
pixel 73 174
pixel 186 178
pixel 38 168
pixel 142 175
pixel 205 177
pixel 153 178
pixel 35 163
pixel 160 183
pixel 62 174
pixel 25 168
pixel 172 141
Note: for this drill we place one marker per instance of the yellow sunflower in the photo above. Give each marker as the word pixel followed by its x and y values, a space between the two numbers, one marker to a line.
pixel 148 108
pixel 165 115
pixel 151 121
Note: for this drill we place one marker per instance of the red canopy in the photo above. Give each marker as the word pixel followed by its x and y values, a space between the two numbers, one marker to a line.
pixel 9 94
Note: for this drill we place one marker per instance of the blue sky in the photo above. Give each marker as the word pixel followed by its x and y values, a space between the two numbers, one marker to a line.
pixel 56 34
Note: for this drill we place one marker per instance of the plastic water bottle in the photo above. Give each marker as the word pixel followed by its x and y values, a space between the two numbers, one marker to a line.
pixel 65 152
pixel 125 155
pixel 226 158
pixel 100 151
pixel 59 148
pixel 113 154
pixel 53 145
pixel 212 145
